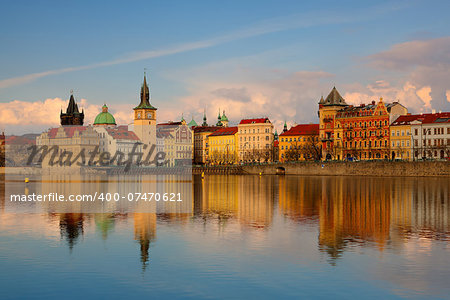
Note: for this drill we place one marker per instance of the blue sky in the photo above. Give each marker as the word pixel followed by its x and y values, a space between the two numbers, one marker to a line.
pixel 250 58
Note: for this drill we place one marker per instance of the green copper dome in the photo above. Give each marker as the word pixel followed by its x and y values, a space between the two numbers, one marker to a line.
pixel 104 118
pixel 224 118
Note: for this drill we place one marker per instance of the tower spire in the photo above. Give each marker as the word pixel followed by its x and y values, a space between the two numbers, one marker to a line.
pixel 204 118
pixel 145 95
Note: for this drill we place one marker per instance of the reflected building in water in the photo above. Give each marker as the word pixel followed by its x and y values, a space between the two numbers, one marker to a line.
pixel 71 227
pixel 356 211
pixel 144 234
pixel 248 200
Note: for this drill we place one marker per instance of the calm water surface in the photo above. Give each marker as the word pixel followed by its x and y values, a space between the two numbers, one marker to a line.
pixel 247 237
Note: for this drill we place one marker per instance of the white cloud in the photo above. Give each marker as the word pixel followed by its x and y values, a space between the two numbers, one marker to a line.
pixel 425 65
pixel 20 116
pixel 414 98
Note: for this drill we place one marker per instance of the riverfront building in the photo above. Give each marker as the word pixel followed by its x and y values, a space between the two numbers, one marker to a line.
pixel 223 146
pixel 201 146
pixel 431 136
pixel 255 140
pixel 176 138
pixel 301 142
pixel 401 138
pixel 355 132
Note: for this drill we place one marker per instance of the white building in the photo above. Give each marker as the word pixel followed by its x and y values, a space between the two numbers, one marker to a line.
pixel 430 135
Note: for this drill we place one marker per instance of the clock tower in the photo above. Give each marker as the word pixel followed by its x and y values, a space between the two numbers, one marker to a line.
pixel 145 118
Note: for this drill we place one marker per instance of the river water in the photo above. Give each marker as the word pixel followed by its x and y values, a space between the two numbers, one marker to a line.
pixel 244 237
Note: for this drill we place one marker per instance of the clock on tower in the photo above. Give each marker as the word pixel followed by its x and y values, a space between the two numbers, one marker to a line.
pixel 145 117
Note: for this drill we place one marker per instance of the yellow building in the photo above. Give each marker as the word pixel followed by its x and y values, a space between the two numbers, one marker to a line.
pixel 201 134
pixel 301 142
pixel 401 143
pixel 223 146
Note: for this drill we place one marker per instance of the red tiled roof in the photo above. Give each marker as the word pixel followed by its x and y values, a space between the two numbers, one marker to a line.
pixel 70 131
pixel 121 134
pixel 225 131
pixel 424 118
pixel 303 129
pixel 252 121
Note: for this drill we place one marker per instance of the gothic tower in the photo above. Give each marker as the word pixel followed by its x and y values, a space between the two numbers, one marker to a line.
pixel 72 116
pixel 145 118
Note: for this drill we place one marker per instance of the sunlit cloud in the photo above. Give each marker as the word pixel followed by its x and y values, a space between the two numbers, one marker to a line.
pixel 20 116
pixel 426 67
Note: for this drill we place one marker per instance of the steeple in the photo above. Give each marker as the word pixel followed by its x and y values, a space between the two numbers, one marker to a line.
pixel 204 118
pixel 145 95
pixel 219 122
pixel 285 127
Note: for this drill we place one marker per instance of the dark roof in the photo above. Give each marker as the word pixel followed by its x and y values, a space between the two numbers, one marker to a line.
pixel 225 131
pixel 254 121
pixel 163 134
pixel 170 124
pixel 334 98
pixel 390 105
pixel 198 129
pixel 302 129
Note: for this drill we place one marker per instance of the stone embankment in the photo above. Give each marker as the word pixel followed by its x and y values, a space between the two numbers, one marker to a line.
pixel 361 168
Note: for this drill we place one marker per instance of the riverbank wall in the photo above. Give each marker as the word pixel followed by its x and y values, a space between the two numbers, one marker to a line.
pixel 361 168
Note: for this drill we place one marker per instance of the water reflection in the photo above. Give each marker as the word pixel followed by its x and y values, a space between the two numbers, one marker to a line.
pixel 342 213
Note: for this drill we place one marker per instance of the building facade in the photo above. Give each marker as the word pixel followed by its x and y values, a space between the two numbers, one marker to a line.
pixel 177 138
pixel 363 132
pixel 201 134
pixel 223 146
pixel 350 132
pixel 301 142
pixel 328 108
pixel 431 136
pixel 401 138
pixel 255 140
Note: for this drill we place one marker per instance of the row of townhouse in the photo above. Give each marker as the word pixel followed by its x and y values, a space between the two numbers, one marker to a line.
pixel 421 136
pixel 252 140
pixel 377 130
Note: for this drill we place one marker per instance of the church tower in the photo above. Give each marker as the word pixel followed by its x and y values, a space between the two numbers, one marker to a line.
pixel 72 116
pixel 145 118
